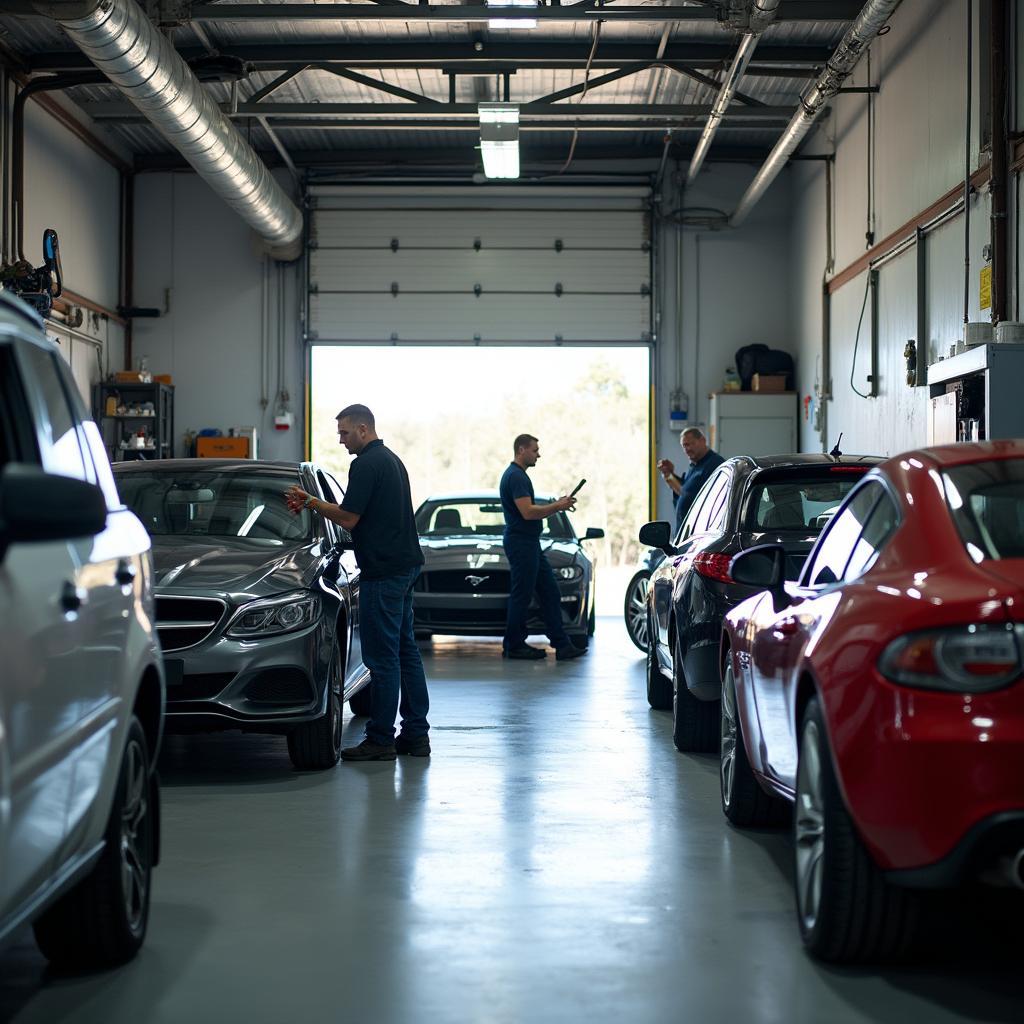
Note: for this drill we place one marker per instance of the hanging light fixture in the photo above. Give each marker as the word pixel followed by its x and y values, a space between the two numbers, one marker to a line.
pixel 499 139
pixel 512 22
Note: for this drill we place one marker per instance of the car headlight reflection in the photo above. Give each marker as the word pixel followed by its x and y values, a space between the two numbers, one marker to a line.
pixel 569 572
pixel 274 615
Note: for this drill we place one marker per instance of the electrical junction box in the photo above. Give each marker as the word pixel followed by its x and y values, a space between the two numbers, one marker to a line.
pixel 677 420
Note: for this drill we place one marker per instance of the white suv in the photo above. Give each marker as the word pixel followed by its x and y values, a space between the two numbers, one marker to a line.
pixel 81 678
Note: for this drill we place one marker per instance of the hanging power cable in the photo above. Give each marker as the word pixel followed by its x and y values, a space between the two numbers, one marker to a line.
pixel 586 84
pixel 856 340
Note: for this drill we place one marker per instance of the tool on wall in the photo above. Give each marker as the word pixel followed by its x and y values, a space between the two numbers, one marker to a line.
pixel 38 286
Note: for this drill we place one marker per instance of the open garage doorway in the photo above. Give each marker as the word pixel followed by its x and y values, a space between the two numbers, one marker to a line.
pixel 451 413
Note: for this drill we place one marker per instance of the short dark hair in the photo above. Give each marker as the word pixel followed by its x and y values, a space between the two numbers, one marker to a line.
pixel 357 414
pixel 521 442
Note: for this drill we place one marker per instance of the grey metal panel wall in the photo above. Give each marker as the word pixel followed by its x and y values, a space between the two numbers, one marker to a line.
pixel 458 273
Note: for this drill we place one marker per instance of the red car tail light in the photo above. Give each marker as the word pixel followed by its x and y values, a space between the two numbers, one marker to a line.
pixel 969 659
pixel 713 567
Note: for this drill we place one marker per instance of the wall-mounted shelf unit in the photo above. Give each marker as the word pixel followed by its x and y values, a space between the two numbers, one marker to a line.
pixel 976 395
pixel 157 425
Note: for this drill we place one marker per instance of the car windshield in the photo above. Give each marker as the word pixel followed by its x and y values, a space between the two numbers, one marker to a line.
pixel 457 517
pixel 987 504
pixel 215 504
pixel 803 501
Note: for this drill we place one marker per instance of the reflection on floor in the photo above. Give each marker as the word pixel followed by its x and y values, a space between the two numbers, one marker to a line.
pixel 555 861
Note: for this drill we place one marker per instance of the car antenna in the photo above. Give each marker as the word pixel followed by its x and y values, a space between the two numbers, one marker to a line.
pixel 836 453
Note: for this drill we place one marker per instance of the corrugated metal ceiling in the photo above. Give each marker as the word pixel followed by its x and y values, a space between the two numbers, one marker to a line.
pixel 31 37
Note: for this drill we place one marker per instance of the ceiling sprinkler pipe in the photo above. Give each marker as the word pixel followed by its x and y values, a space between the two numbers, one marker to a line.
pixel 762 14
pixel 858 37
pixel 118 37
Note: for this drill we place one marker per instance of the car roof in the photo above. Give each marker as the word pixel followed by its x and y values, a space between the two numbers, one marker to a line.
pixel 968 452
pixel 13 309
pixel 797 460
pixel 220 465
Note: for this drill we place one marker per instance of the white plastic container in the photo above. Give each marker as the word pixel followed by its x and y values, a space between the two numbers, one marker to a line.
pixel 978 332
pixel 1010 330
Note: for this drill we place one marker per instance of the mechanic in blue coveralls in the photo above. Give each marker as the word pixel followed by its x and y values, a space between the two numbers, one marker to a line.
pixel 703 462
pixel 530 571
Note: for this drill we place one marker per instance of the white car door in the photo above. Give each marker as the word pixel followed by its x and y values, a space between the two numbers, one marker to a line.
pixel 40 637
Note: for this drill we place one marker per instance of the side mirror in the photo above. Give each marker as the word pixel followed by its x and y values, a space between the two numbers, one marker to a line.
pixel 657 535
pixel 763 566
pixel 593 533
pixel 344 540
pixel 36 506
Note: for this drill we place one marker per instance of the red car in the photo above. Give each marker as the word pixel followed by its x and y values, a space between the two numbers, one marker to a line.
pixel 882 695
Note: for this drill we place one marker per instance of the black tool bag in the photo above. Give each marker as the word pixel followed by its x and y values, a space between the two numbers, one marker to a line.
pixel 761 359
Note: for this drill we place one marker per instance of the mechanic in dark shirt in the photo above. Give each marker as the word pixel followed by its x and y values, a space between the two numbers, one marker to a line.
pixel 703 462
pixel 529 568
pixel 377 509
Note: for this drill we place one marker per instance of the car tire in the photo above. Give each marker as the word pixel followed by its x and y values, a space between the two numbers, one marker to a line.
pixel 846 910
pixel 361 702
pixel 316 746
pixel 744 801
pixel 101 922
pixel 659 689
pixel 635 609
pixel 695 723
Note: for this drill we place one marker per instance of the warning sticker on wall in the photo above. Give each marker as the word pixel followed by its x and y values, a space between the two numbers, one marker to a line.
pixel 986 288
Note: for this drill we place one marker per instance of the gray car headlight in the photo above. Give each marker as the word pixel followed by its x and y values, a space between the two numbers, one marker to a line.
pixel 274 615
pixel 569 572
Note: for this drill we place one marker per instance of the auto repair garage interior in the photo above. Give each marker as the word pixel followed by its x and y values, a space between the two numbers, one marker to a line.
pixel 237 187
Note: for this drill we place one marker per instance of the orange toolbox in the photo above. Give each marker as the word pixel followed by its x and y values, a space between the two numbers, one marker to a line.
pixel 222 447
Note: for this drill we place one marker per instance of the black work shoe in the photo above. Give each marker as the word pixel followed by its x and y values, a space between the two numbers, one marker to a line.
pixel 369 751
pixel 417 746
pixel 570 651
pixel 525 653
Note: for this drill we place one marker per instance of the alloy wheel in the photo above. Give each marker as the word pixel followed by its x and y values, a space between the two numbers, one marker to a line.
pixel 636 611
pixel 730 736
pixel 809 827
pixel 134 852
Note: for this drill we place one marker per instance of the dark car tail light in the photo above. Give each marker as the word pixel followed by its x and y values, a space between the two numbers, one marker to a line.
pixel 969 659
pixel 713 567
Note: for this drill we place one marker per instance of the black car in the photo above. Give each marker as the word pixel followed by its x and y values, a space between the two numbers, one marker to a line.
pixel 634 607
pixel 464 586
pixel 779 499
pixel 256 608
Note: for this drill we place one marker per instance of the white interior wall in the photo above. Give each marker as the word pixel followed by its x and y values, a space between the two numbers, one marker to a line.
pixel 919 156
pixel 196 259
pixel 735 292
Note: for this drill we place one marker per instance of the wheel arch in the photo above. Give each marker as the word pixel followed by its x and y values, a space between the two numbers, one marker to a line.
pixel 149 709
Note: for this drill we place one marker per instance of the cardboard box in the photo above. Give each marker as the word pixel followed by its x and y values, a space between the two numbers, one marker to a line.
pixel 772 382
pixel 128 377
pixel 163 378
pixel 222 447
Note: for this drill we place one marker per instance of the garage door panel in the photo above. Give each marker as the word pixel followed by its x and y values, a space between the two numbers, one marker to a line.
pixel 534 229
pixel 444 318
pixel 375 271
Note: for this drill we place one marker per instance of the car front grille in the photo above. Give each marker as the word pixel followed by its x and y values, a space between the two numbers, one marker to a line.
pixel 183 622
pixel 460 581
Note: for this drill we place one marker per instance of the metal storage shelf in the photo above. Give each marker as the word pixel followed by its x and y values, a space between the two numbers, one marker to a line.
pixel 161 420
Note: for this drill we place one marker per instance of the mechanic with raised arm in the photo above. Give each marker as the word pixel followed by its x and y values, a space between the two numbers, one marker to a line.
pixel 530 571
pixel 377 509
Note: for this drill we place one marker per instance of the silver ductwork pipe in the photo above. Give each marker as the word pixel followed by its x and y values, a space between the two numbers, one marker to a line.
pixel 762 14
pixel 858 37
pixel 127 47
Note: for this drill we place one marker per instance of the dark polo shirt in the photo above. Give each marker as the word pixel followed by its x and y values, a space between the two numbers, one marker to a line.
pixel 516 483
pixel 385 538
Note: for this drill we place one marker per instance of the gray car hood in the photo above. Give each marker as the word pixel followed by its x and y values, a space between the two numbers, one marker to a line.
pixel 460 551
pixel 221 565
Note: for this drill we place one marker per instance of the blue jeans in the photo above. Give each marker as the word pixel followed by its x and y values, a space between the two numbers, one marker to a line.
pixel 531 572
pixel 391 655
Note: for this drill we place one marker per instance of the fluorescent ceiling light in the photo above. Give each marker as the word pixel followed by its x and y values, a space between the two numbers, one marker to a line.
pixel 512 22
pixel 499 139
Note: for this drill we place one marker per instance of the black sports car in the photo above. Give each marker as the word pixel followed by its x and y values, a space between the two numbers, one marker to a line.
pixel 256 609
pixel 463 589
pixel 781 499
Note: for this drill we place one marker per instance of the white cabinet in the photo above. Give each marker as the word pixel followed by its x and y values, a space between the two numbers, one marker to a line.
pixel 752 423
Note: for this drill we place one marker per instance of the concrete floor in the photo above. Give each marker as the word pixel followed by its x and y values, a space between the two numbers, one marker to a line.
pixel 555 861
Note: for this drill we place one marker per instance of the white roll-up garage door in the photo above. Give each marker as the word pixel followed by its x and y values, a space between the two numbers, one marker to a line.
pixel 493 266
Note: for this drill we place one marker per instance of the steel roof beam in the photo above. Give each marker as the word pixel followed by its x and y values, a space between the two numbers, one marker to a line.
pixel 808 10
pixel 791 61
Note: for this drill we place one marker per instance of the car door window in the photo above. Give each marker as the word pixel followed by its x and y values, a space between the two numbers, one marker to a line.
pixel 689 524
pixel 879 528
pixel 64 452
pixel 718 505
pixel 837 543
pixel 336 493
pixel 17 440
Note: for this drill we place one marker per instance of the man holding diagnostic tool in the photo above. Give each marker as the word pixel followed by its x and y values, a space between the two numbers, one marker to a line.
pixel 529 568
